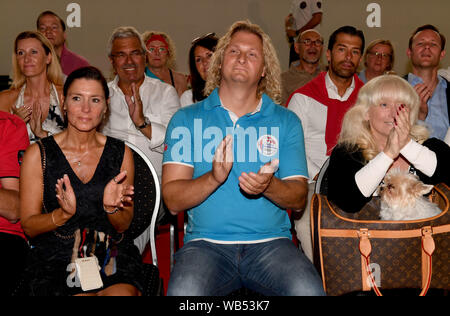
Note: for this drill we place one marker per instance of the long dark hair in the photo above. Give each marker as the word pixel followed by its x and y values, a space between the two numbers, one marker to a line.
pixel 198 84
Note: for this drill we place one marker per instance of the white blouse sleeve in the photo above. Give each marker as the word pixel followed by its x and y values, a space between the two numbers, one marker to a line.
pixel 369 177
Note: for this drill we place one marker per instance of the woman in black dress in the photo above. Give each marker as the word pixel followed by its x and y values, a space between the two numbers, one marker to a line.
pixel 77 201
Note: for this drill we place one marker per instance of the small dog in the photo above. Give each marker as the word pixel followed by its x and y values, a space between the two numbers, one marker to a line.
pixel 402 198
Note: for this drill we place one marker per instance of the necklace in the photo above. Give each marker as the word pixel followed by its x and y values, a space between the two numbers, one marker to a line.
pixel 78 160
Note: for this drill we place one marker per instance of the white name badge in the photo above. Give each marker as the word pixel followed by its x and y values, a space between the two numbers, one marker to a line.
pixel 88 272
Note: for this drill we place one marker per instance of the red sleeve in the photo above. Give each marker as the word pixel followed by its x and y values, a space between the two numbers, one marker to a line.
pixel 13 143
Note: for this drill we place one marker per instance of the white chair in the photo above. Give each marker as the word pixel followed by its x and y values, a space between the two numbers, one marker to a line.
pixel 147 200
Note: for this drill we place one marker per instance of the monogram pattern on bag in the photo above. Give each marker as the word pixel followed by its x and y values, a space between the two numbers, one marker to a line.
pixel 399 259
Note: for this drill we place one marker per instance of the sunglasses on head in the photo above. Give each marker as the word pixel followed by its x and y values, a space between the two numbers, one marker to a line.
pixel 197 39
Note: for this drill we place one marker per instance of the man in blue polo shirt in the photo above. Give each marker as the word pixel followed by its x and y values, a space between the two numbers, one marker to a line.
pixel 236 162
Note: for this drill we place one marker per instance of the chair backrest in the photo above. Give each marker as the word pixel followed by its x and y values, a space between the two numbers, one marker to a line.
pixel 322 180
pixel 147 199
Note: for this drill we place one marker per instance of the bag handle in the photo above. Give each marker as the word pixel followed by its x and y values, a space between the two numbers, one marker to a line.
pixel 365 248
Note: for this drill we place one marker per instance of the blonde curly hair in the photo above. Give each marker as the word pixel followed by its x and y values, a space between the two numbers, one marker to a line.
pixel 270 84
pixel 356 134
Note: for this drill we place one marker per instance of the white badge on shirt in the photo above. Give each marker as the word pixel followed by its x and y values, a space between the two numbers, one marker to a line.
pixel 88 272
pixel 268 145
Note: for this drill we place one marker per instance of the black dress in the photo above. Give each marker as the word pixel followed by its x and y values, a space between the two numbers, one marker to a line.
pixel 50 266
pixel 342 187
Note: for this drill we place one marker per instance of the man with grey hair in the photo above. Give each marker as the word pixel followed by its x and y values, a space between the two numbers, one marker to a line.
pixel 309 47
pixel 140 107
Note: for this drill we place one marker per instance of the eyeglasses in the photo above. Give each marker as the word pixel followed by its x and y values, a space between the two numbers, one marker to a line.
pixel 382 55
pixel 160 49
pixel 197 39
pixel 309 42
pixel 133 55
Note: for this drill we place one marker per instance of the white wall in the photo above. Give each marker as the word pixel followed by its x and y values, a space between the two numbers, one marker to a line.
pixel 184 20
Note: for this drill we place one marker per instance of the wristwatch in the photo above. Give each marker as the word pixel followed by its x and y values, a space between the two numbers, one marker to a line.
pixel 146 123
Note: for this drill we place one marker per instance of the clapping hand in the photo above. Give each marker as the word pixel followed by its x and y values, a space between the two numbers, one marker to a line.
pixel 135 106
pixel 255 184
pixel 116 193
pixel 24 112
pixel 399 136
pixel 36 121
pixel 223 160
pixel 66 197
pixel 425 94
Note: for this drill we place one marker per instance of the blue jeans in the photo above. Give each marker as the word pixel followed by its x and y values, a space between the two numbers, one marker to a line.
pixel 274 268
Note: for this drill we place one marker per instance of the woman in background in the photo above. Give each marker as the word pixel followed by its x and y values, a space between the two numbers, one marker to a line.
pixel 200 54
pixel 161 59
pixel 378 60
pixel 36 91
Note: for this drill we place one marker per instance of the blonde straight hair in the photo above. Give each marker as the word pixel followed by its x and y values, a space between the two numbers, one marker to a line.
pixel 356 134
pixel 270 84
pixel 54 72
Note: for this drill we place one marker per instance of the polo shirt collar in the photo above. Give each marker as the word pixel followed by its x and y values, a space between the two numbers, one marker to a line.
pixel 265 107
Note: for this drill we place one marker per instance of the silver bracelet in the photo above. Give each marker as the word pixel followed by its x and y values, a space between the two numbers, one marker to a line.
pixel 112 212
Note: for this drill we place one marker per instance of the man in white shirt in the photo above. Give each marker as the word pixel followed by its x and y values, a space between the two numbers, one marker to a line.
pixel 140 107
pixel 322 103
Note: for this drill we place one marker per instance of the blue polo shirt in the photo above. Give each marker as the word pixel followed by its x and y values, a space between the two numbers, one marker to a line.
pixel 228 214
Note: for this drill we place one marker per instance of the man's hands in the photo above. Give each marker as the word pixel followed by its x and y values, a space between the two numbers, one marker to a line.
pixel 255 184
pixel 135 106
pixel 251 183
pixel 223 160
pixel 425 93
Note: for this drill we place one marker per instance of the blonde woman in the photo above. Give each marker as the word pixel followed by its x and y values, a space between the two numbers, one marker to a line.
pixel 36 90
pixel 161 60
pixel 378 134
pixel 378 59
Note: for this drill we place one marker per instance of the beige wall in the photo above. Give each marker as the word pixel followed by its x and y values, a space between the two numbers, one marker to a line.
pixel 185 20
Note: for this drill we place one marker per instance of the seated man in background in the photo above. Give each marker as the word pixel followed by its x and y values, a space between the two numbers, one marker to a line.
pixel 309 47
pixel 140 107
pixel 237 188
pixel 321 105
pixel 426 50
pixel 54 28
pixel 13 245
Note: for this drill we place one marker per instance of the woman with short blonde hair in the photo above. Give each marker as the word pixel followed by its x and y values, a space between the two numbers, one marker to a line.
pixel 379 60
